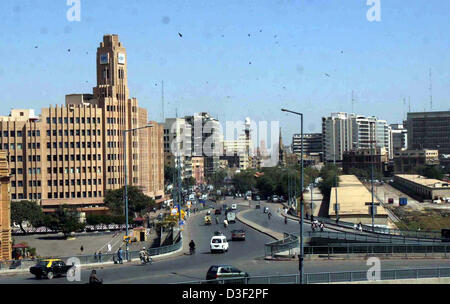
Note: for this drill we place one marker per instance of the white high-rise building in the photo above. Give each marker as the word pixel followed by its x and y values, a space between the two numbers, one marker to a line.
pixel 345 132
pixel 178 142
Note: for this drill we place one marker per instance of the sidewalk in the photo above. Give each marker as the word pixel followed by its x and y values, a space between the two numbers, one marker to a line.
pixel 179 252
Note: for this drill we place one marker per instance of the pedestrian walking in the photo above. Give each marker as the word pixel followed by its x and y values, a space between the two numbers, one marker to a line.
pixel 109 247
pixel 81 249
pixel 95 256
pixel 100 256
pixel 120 255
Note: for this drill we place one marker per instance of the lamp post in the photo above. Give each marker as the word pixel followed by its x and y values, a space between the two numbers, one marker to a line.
pixel 126 181
pixel 300 259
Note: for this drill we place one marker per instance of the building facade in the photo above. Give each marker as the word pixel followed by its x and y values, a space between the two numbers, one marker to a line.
pixel 363 159
pixel 312 143
pixel 73 154
pixel 206 140
pixel 5 209
pixel 407 161
pixel 343 132
pixel 198 170
pixel 422 188
pixel 399 138
pixel 178 143
pixel 429 130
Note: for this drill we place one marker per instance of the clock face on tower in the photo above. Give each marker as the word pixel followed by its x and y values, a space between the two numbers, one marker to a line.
pixel 121 58
pixel 104 58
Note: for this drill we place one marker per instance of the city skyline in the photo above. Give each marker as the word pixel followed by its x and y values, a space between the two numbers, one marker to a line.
pixel 287 62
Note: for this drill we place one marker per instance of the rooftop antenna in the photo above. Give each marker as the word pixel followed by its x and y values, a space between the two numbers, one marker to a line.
pixel 176 112
pixel 431 93
pixel 409 104
pixel 404 106
pixel 353 101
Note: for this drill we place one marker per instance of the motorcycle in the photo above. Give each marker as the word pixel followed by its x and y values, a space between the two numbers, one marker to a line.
pixel 146 259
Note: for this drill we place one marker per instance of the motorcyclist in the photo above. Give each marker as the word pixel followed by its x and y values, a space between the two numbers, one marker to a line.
pixel 217 220
pixel 285 219
pixel 225 223
pixel 144 256
pixel 269 215
pixel 192 246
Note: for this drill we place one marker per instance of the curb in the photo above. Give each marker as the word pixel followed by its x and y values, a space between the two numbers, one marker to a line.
pixel 272 234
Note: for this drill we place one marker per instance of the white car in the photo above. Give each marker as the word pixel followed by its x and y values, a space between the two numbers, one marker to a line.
pixel 234 207
pixel 219 243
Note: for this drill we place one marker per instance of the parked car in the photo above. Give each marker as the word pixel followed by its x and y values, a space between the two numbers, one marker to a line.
pixel 258 206
pixel 226 272
pixel 219 243
pixel 238 235
pixel 257 198
pixel 218 211
pixel 275 199
pixel 50 268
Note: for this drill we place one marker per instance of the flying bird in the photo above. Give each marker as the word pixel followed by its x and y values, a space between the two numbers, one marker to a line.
pixel 179 34
pixel 249 35
pixel 36 47
pixel 327 75
pixel 68 50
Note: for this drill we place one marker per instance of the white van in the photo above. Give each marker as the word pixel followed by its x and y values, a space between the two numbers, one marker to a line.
pixel 219 243
pixel 234 207
pixel 231 217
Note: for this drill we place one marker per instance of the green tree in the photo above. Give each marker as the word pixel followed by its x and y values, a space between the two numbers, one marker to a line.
pixel 430 172
pixel 189 182
pixel 65 219
pixel 27 211
pixel 137 200
pixel 244 181
pixel 169 173
pixel 217 179
pixel 328 174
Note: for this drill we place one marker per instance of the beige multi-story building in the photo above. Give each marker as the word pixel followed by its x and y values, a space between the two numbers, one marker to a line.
pixel 198 169
pixel 5 209
pixel 73 154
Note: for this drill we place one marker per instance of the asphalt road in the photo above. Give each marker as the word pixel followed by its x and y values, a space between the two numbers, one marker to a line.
pixel 245 255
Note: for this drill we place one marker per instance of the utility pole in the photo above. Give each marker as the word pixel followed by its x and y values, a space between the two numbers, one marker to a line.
pixel 126 180
pixel 372 162
pixel 336 207
pixel 300 257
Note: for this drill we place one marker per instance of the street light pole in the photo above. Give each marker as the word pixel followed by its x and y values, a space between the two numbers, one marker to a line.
pixel 300 259
pixel 126 180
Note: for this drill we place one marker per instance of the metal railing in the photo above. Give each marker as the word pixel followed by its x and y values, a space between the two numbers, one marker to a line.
pixel 333 277
pixel 378 238
pixel 289 242
pixel 382 230
pixel 92 259
pixel 379 248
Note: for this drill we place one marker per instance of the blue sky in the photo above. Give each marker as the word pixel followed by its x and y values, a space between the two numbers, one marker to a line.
pixel 292 45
